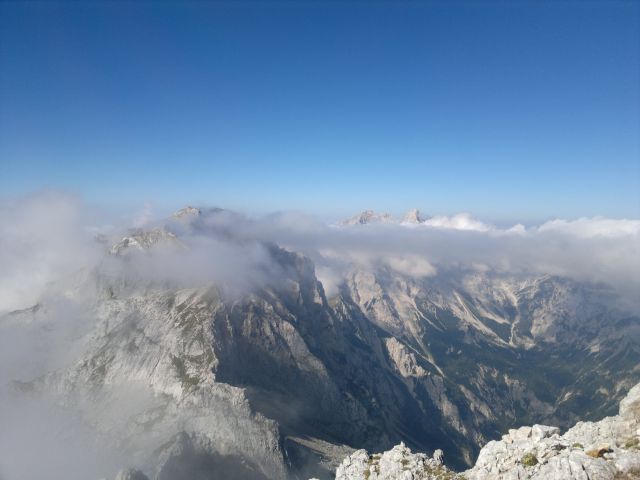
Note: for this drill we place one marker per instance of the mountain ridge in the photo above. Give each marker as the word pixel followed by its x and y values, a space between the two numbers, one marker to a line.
pixel 279 380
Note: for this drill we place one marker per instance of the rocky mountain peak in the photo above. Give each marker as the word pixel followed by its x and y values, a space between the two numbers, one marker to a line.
pixel 394 464
pixel 187 211
pixel 142 240
pixel 412 216
pixel 368 216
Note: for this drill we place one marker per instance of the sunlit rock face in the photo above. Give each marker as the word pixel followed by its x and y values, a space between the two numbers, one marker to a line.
pixel 608 449
pixel 277 379
pixel 397 463
pixel 368 216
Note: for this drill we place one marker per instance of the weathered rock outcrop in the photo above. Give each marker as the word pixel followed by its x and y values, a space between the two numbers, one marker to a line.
pixel 398 463
pixel 604 450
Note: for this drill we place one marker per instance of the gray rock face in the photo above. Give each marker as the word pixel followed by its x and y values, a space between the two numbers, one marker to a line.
pixel 148 380
pixel 142 240
pixel 396 464
pixel 368 216
pixel 413 217
pixel 630 405
pixel 187 212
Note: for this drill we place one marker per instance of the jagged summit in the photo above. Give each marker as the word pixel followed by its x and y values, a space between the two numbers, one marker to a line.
pixel 141 240
pixel 396 464
pixel 368 216
pixel 412 216
pixel 187 211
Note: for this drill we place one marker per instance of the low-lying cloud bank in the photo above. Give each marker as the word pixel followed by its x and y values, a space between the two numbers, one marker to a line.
pixel 49 236
pixel 588 249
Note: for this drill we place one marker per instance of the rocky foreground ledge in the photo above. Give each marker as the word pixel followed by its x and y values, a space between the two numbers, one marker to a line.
pixel 604 450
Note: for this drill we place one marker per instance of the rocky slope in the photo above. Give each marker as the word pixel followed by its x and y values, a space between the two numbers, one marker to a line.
pixel 605 450
pixel 280 380
pixel 395 464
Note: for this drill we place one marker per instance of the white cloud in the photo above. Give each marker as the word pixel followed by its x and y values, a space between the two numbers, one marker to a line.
pixel 143 217
pixel 42 239
pixel 411 265
pixel 592 250
pixel 461 221
pixel 593 227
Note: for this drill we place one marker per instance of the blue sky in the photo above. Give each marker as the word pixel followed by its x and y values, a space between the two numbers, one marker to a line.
pixel 508 110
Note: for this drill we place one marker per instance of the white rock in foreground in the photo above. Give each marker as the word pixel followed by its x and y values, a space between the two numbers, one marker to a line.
pixel 604 450
pixel 397 463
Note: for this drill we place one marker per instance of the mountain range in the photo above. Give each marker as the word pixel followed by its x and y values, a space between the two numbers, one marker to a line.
pixel 280 377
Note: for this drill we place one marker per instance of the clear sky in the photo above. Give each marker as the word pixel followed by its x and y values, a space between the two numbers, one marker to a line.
pixel 508 110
